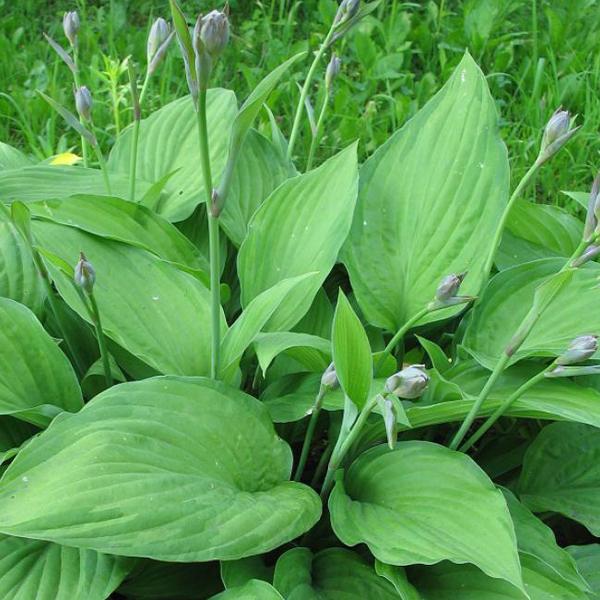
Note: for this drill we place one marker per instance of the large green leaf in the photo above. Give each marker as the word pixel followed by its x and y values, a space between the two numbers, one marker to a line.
pixel 260 168
pixel 19 279
pixel 200 473
pixel 11 158
pixel 423 503
pixel 253 590
pixel 332 574
pixel 561 473
pixel 124 221
pixel 448 581
pixel 507 300
pixel 351 353
pixel 151 308
pixel 168 142
pixel 537 540
pixel 36 379
pixel 236 573
pixel 536 231
pixel 588 563
pixel 429 203
pixel 33 569
pixel 299 229
pixel 40 182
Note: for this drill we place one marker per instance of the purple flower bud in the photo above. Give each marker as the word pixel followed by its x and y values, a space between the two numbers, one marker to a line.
pixel 333 70
pixel 589 254
pixel 449 286
pixel 71 26
pixel 347 10
pixel 593 210
pixel 557 133
pixel 159 32
pixel 409 383
pixel 579 350
pixel 214 32
pixel 85 275
pixel 83 102
pixel 329 378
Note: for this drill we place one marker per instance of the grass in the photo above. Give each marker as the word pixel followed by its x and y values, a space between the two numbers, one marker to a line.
pixel 537 55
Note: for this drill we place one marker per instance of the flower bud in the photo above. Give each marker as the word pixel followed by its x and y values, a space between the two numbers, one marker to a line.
pixel 333 70
pixel 561 371
pixel 449 286
pixel 408 383
pixel 347 10
pixel 329 378
pixel 557 133
pixel 579 350
pixel 84 275
pixel 83 102
pixel 159 32
pixel 71 26
pixel 214 32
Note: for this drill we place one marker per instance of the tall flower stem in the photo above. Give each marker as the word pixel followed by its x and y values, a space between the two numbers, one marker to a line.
pixel 103 168
pixel 137 117
pixel 399 335
pixel 508 402
pixel 77 79
pixel 317 136
pixel 339 453
pixel 213 238
pixel 95 314
pixel 521 334
pixel 304 93
pixel 310 432
pixel 513 198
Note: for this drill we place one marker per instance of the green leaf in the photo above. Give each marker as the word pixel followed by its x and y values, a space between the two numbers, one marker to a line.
pixel 588 563
pixel 12 158
pixel 299 229
pixel 549 399
pixel 331 574
pixel 155 580
pixel 19 279
pixel 447 581
pixel 36 381
pixel 168 141
pixel 254 317
pixel 253 590
pixel 41 182
pixel 537 231
pixel 45 571
pixel 259 169
pixel 351 353
pixel 561 473
pixel 423 503
pixel 189 455
pixel 151 308
pixel 397 577
pixel 429 204
pixel 123 221
pixel 312 351
pixel 537 540
pixel 184 38
pixel 507 300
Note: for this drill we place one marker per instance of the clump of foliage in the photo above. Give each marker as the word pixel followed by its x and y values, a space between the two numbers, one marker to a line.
pixel 229 372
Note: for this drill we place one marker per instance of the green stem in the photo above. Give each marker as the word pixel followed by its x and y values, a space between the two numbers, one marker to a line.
pixel 133 159
pixel 213 238
pixel 101 339
pixel 304 93
pixel 316 138
pixel 340 453
pixel 84 146
pixel 400 335
pixel 517 340
pixel 325 456
pixel 500 229
pixel 310 431
pixel 144 88
pixel 508 402
pixel 103 169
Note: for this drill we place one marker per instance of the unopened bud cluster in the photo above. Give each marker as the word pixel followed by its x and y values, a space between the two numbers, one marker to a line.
pixel 84 275
pixel 71 26
pixel 580 349
pixel 557 133
pixel 83 102
pixel 447 292
pixel 408 383
pixel 159 38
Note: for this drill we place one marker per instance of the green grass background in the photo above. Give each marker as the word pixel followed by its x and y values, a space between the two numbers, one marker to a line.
pixel 537 55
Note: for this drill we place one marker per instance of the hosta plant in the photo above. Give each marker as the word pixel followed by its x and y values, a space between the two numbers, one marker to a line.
pixel 228 372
